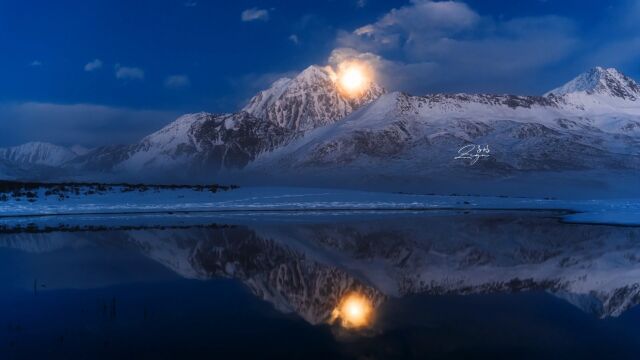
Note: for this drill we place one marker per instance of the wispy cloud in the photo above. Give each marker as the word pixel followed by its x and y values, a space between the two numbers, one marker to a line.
pixel 294 39
pixel 87 124
pixel 128 73
pixel 35 63
pixel 93 65
pixel 441 45
pixel 254 14
pixel 177 82
pixel 191 3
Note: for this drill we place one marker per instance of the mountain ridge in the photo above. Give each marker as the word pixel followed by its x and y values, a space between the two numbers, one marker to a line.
pixel 37 153
pixel 305 126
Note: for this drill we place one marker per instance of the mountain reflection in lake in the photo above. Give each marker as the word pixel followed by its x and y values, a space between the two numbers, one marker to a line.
pixel 318 285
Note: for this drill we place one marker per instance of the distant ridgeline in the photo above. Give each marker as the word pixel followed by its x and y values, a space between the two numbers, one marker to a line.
pixel 582 137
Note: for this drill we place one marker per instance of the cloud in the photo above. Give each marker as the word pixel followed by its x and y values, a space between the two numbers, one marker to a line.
pixel 341 55
pixel 448 46
pixel 177 82
pixel 93 65
pixel 422 20
pixel 383 69
pixel 361 3
pixel 254 14
pixel 128 73
pixel 35 63
pixel 190 3
pixel 86 124
pixel 294 39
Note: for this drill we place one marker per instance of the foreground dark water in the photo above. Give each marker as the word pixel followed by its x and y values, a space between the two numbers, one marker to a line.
pixel 437 284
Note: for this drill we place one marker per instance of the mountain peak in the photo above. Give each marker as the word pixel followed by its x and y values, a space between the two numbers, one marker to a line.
pixel 312 71
pixel 600 81
pixel 310 100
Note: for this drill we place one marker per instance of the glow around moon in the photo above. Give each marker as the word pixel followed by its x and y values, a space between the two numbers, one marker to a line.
pixel 353 77
pixel 354 311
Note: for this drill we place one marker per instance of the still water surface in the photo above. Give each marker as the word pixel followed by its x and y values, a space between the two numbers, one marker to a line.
pixel 354 285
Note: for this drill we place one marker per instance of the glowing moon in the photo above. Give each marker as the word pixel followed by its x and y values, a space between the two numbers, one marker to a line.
pixel 354 311
pixel 353 78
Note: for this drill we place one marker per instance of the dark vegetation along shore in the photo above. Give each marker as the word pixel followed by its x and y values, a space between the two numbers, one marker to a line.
pixel 33 228
pixel 29 191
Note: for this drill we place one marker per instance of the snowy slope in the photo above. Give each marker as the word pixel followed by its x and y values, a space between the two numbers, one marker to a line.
pixel 37 153
pixel 203 143
pixel 600 92
pixel 265 99
pixel 308 101
pixel 599 81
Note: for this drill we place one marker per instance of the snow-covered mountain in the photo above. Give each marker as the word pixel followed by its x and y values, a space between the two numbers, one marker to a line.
pixel 206 141
pixel 592 123
pixel 303 130
pixel 599 81
pixel 195 144
pixel 599 92
pixel 308 101
pixel 37 153
pixel 35 161
pixel 204 144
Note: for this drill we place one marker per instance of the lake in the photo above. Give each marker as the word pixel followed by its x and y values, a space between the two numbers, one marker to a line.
pixel 323 284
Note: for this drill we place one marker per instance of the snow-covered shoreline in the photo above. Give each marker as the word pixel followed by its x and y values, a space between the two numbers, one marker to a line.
pixel 609 211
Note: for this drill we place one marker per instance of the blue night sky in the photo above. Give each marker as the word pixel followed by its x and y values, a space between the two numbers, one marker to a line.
pixel 97 72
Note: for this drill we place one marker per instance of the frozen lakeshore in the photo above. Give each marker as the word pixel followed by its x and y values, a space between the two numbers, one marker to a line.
pixel 119 199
